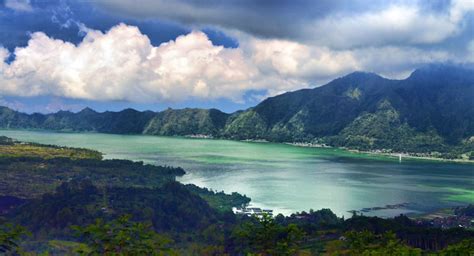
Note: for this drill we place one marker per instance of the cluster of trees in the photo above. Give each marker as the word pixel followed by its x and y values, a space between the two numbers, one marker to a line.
pixel 252 236
pixel 107 218
pixel 30 177
pixel 122 237
pixel 265 236
pixel 219 200
pixel 170 208
pixel 368 243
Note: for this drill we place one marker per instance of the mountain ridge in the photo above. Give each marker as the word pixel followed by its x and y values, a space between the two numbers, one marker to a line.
pixel 433 104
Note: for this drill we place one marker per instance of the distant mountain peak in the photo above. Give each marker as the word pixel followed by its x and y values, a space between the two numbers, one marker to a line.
pixel 87 110
pixel 131 110
pixel 362 75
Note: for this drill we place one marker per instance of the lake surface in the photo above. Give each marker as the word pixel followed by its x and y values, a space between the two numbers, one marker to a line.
pixel 288 178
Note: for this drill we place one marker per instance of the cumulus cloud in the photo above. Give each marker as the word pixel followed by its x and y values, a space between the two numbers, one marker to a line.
pixel 19 5
pixel 123 65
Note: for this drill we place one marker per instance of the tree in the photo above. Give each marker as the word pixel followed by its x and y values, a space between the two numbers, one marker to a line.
pixel 367 243
pixel 10 236
pixel 266 237
pixel 465 247
pixel 122 237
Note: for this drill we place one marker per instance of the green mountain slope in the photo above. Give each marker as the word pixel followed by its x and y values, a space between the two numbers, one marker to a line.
pixel 383 129
pixel 438 97
pixel 432 110
pixel 186 122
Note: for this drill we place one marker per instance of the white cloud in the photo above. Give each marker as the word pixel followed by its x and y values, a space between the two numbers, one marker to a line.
pixel 296 65
pixel 123 65
pixel 398 62
pixel 292 59
pixel 19 5
pixel 459 8
pixel 397 24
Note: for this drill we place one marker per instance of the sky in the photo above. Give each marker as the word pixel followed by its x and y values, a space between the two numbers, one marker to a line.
pixel 224 54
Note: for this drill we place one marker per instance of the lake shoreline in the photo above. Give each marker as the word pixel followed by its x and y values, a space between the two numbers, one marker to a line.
pixel 391 156
pixel 382 154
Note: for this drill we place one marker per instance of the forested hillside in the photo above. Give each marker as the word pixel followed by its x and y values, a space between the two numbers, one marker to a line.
pixel 430 112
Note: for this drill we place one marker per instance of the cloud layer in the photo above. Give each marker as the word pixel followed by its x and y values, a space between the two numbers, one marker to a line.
pixel 121 64
pixel 329 23
pixel 281 46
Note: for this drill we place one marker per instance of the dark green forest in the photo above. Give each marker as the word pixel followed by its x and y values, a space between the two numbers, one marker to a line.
pixel 51 204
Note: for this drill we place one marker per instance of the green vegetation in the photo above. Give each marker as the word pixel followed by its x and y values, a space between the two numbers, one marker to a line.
pixel 248 125
pixel 186 122
pixel 122 237
pixel 11 148
pixel 465 247
pixel 10 236
pixel 359 111
pixel 367 243
pixel 265 237
pixel 26 177
pixel 255 236
pixel 118 207
pixel 384 130
pixel 219 200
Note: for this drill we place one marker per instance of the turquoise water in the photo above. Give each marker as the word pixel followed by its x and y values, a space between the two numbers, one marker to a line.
pixel 288 178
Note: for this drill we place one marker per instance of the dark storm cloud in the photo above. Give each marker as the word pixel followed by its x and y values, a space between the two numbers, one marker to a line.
pixel 334 23
pixel 61 19
pixel 279 18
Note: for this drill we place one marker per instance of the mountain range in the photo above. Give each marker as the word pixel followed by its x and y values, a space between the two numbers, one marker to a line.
pixel 431 110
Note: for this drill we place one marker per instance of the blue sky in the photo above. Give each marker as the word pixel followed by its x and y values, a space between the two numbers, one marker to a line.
pixel 154 54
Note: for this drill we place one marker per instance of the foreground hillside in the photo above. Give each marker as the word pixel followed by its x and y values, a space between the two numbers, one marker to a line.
pixel 81 205
pixel 430 113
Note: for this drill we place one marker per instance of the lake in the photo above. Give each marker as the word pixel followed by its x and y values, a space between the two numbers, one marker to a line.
pixel 286 178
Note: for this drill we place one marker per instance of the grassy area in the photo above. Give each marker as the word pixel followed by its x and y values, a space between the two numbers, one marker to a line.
pixel 47 152
pixel 12 148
